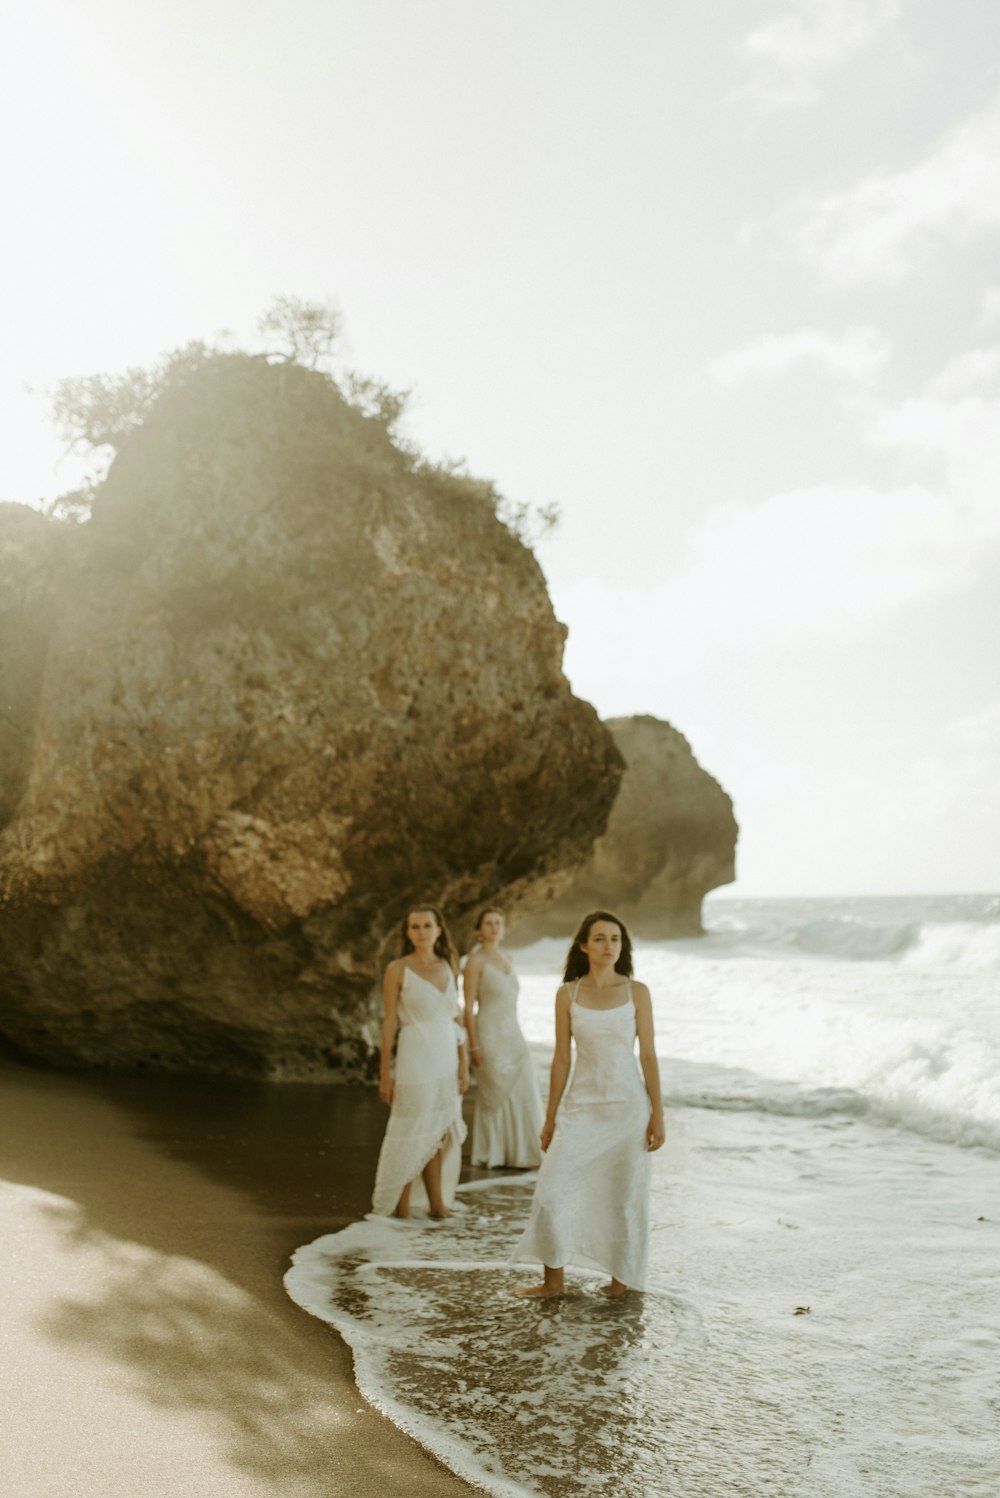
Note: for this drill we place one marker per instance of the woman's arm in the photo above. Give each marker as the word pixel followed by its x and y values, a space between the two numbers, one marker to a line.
pixel 463 1067
pixel 391 985
pixel 470 984
pixel 655 1130
pixel 561 1057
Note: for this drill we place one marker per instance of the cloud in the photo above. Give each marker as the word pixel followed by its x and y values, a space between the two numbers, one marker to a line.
pixel 826 562
pixel 960 774
pixel 978 734
pixel 859 353
pixel 971 372
pixel 875 230
pixel 990 308
pixel 955 422
pixel 793 53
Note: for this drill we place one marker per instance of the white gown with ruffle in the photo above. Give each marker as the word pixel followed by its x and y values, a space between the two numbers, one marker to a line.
pixel 426 1112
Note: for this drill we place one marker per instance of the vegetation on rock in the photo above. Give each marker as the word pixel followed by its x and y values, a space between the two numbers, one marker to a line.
pixel 286 680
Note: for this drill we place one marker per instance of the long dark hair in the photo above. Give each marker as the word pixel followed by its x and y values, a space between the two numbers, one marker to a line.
pixel 577 964
pixel 443 947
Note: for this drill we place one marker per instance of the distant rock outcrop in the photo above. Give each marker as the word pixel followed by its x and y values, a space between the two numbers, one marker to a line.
pixel 284 682
pixel 670 839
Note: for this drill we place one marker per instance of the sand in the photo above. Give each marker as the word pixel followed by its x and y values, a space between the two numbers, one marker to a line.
pixel 148 1345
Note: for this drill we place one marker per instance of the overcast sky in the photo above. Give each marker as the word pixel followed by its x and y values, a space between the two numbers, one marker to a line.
pixel 719 278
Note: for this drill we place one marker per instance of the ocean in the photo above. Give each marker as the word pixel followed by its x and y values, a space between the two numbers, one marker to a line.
pixel 823 1313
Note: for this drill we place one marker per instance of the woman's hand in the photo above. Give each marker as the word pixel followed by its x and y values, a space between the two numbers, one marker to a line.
pixel 475 1055
pixel 545 1137
pixel 655 1131
pixel 385 1090
pixel 463 1078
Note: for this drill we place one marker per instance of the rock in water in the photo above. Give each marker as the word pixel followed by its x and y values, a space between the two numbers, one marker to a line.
pixel 670 839
pixel 293 680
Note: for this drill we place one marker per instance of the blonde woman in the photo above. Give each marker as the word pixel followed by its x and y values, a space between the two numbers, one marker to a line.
pixel 508 1113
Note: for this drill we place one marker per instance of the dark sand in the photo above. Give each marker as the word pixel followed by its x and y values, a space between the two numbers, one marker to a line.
pixel 149 1349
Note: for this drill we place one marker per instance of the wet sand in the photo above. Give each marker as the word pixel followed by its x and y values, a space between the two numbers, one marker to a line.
pixel 148 1344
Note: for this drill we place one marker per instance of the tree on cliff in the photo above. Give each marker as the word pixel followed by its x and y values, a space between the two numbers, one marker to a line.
pixel 96 414
pixel 306 332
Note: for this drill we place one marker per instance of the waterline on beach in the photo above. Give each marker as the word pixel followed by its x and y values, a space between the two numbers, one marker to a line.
pixel 822 1319
pixel 777 1349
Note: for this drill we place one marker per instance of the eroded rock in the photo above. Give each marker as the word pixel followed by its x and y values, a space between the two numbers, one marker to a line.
pixel 670 839
pixel 292 682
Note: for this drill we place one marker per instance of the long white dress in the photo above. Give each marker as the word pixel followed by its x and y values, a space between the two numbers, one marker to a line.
pixel 508 1114
pixel 426 1113
pixel 591 1203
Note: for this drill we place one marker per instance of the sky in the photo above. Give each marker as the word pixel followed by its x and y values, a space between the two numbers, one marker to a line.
pixel 721 281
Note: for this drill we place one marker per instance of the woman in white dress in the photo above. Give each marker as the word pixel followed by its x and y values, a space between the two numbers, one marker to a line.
pixel 421 1153
pixel 508 1112
pixel 591 1203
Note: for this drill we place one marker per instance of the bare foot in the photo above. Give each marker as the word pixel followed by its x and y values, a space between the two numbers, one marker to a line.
pixel 552 1284
pixel 442 1212
pixel 614 1290
pixel 401 1212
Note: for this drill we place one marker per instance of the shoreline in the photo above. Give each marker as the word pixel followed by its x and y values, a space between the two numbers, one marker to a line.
pixel 149 1340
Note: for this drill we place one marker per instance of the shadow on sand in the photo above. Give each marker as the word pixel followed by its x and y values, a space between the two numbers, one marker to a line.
pixel 183 1200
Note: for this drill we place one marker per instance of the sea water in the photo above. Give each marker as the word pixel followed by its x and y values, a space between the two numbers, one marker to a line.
pixel 823 1313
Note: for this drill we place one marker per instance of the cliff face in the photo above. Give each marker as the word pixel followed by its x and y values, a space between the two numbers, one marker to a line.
pixel 670 839
pixel 284 683
pixel 31 551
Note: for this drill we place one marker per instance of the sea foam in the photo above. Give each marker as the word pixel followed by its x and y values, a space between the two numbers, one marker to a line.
pixel 823 1314
pixel 877 1008
pixel 812 1284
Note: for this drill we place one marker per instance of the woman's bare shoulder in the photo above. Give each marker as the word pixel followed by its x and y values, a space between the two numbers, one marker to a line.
pixel 640 993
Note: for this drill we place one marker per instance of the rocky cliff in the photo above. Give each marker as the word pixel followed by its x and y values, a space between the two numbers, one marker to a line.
pixel 670 839
pixel 286 681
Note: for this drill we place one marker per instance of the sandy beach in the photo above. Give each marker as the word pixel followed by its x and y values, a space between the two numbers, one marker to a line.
pixel 149 1346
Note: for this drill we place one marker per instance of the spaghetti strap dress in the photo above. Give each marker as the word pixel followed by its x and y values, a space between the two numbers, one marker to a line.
pixel 508 1115
pixel 426 1113
pixel 591 1202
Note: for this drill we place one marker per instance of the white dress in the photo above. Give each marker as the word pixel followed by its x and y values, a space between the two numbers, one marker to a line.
pixel 426 1113
pixel 591 1203
pixel 508 1115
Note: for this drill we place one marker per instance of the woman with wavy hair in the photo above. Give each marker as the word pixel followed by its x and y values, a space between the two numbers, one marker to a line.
pixel 591 1203
pixel 421 1153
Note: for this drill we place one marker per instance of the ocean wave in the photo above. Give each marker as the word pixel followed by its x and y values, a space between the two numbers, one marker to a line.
pixel 954 944
pixel 947 1090
pixel 844 937
pixel 973 945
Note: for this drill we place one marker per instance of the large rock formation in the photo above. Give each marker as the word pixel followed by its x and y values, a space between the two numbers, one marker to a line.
pixel 31 552
pixel 670 839
pixel 285 681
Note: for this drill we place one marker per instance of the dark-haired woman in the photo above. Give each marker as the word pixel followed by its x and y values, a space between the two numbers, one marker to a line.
pixel 508 1113
pixel 421 1153
pixel 591 1204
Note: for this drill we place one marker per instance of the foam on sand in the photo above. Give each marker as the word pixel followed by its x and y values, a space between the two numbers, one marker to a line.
pixel 709 1382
